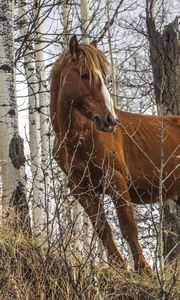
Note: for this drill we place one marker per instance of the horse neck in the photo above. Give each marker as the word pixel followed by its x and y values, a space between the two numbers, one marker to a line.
pixel 72 124
pixel 65 116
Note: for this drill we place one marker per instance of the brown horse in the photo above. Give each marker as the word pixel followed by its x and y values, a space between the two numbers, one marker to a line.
pixel 104 150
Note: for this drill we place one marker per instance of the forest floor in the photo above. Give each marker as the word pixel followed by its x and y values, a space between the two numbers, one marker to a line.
pixel 30 270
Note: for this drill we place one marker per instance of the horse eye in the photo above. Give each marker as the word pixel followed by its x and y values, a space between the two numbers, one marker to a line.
pixel 85 76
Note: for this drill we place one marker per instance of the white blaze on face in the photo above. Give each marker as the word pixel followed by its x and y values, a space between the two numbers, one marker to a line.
pixel 107 98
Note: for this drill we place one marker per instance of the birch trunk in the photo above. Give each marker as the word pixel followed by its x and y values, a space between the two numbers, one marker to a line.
pixel 8 112
pixel 34 124
pixel 11 147
pixel 85 18
pixel 113 69
pixel 43 96
pixel 65 23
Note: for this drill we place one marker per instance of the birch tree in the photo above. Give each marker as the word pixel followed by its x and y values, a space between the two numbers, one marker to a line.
pixel 85 20
pixel 113 69
pixel 43 96
pixel 34 118
pixel 65 22
pixel 11 147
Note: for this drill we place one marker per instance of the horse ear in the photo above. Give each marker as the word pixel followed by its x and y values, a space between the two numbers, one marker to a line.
pixel 73 46
pixel 94 43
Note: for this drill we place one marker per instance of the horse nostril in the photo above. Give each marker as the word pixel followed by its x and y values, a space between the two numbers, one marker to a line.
pixel 110 120
pixel 97 120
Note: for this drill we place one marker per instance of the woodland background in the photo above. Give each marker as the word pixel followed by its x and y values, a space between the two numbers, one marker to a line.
pixel 48 249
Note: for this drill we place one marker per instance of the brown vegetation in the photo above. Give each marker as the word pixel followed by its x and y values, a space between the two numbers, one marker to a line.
pixel 30 270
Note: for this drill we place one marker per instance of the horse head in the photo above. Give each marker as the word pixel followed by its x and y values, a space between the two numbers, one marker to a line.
pixel 84 70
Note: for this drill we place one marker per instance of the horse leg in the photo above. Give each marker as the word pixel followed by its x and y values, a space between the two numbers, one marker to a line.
pixel 95 211
pixel 120 196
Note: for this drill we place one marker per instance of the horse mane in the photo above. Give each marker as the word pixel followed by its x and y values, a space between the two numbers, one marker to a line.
pixel 93 60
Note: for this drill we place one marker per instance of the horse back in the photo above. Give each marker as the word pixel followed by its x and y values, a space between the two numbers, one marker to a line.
pixel 152 143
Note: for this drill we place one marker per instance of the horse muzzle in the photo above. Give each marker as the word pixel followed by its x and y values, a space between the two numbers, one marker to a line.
pixel 106 124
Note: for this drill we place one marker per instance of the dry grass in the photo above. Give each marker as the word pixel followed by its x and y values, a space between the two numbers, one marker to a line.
pixel 30 270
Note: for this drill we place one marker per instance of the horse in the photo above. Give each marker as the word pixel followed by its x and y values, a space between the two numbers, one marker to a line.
pixel 104 150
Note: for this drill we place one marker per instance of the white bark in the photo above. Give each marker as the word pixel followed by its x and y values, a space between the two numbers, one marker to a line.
pixel 8 109
pixel 34 125
pixel 84 5
pixel 77 226
pixel 65 23
pixel 113 69
pixel 43 97
pixel 151 8
pixel 130 261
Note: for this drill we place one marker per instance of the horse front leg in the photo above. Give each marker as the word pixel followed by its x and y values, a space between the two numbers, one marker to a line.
pixel 95 211
pixel 118 190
